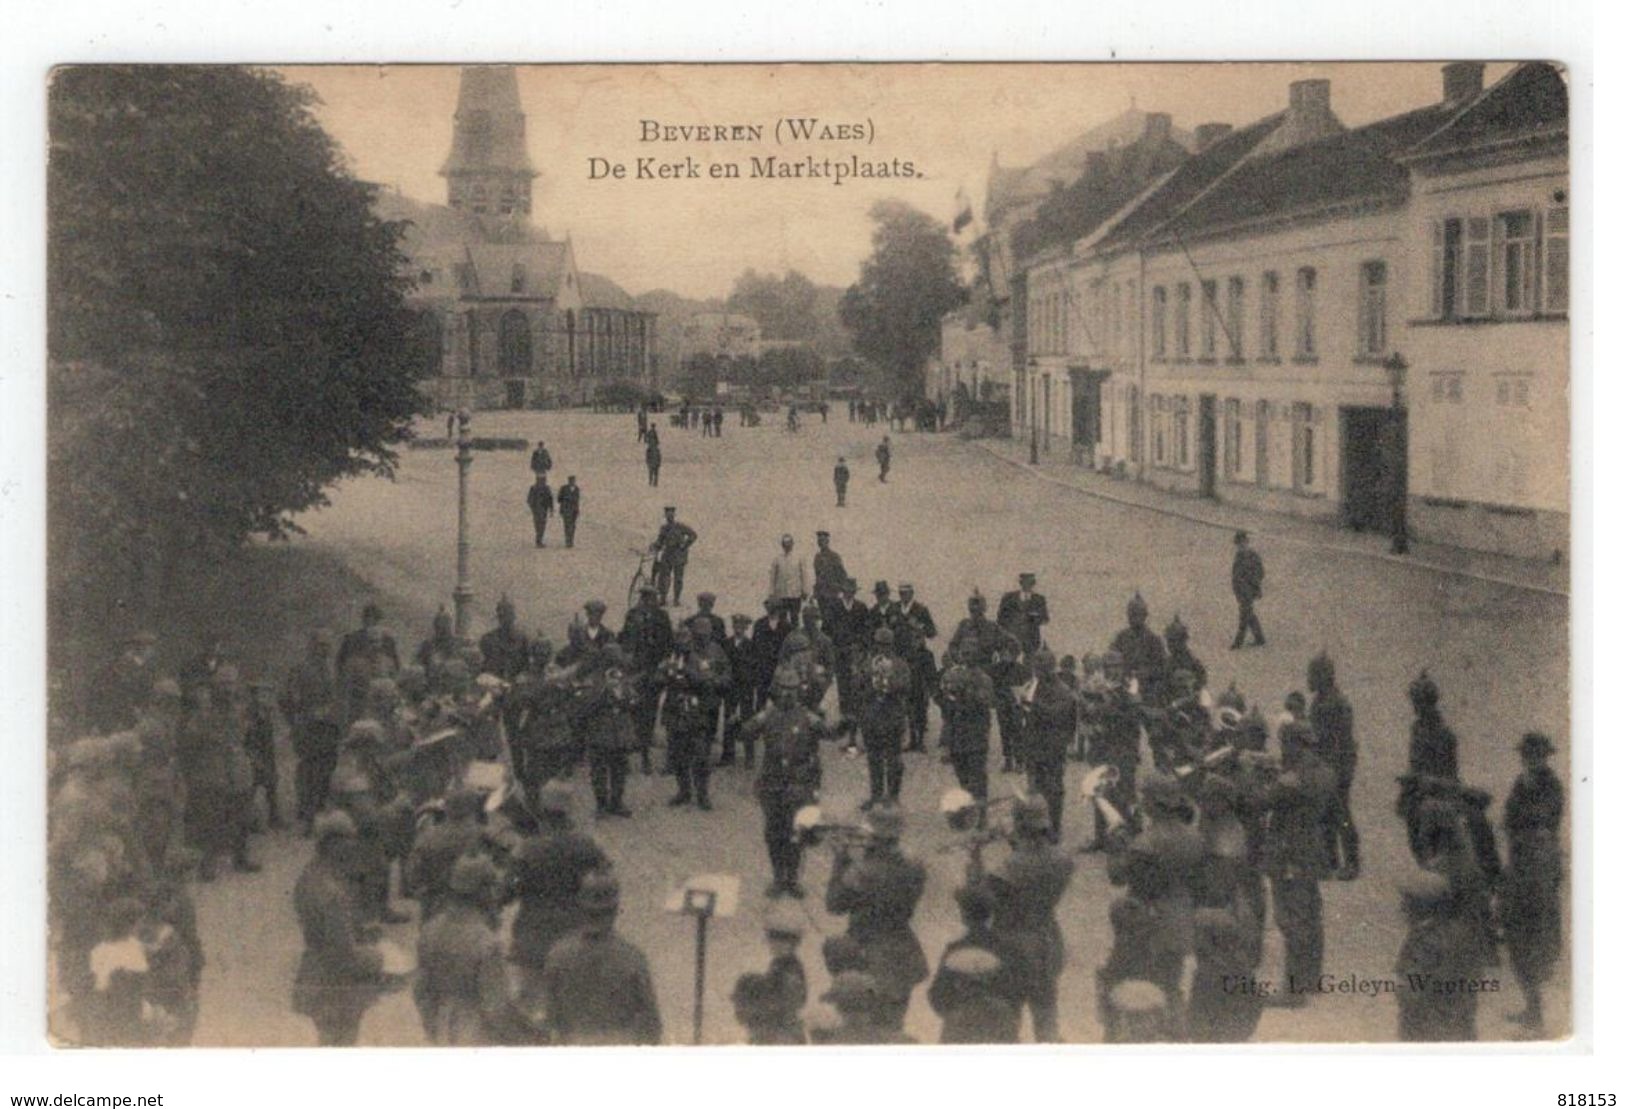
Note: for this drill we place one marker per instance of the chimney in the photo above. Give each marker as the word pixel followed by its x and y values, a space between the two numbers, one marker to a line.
pixel 1308 117
pixel 1094 163
pixel 1209 133
pixel 1311 96
pixel 1462 80
pixel 1159 127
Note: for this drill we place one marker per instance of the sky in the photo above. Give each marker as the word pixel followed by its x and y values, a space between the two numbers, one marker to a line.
pixel 695 236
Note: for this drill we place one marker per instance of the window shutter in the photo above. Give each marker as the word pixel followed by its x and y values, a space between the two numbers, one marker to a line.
pixel 1436 273
pixel 1556 269
pixel 1478 266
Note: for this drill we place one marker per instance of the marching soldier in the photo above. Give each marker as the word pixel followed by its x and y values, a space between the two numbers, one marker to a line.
pixel 1301 803
pixel 1049 724
pixel 1178 638
pixel 975 992
pixel 548 870
pixel 1026 891
pixel 847 620
pixel 997 652
pixel 790 776
pixel 438 651
pixel 1331 717
pixel 569 502
pixel 878 893
pixel 461 989
pixel 1531 902
pixel 739 702
pixel 605 707
pixel 915 629
pixel 965 695
pixel 596 986
pixel 670 549
pixel 1143 655
pixel 339 976
pixel 884 692
pixel 647 639
pixel 693 679
pixel 1024 612
pixel 1439 947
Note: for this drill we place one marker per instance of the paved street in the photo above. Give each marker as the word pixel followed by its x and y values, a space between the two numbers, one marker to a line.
pixel 950 519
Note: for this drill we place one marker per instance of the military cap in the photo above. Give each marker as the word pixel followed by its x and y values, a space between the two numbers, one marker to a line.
pixel 852 988
pixel 595 606
pixel 741 620
pixel 1137 606
pixel 1535 743
pixel 555 796
pixel 1026 576
pixel 505 604
pixel 647 589
pixel 1031 817
pixel 881 588
pixel 1136 995
pixel 1424 690
pixel 976 600
pixel 473 874
pixel 821 533
pixel 670 508
pixel 784 921
pixel 884 822
pixel 1176 631
pixel 885 635
pixel 1043 661
pixel 463 802
pixel 973 962
pixel 850 585
pixel 707 598
pixel 785 677
pixel 599 892
pixel 333 824
pixel 1232 698
pixel 905 587
pixel 797 641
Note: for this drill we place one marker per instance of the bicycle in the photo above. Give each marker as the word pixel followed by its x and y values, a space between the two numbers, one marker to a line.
pixel 640 576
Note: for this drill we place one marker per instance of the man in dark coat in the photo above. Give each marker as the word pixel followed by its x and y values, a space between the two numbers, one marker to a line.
pixel 884 684
pixel 767 638
pixel 1247 583
pixel 1432 759
pixel 739 703
pixel 505 650
pixel 1026 890
pixel 540 460
pixel 646 637
pixel 1143 655
pixel 915 629
pixel 569 502
pixel 606 704
pixel 548 869
pixel 596 986
pixel 436 849
pixel 878 893
pixel 670 549
pixel 1301 802
pixel 1023 613
pixel 843 477
pixel 651 458
pixel 461 988
pixel 1531 901
pixel 1178 638
pixel 976 992
pixel 1331 717
pixel 364 654
pixel 540 500
pixel 694 679
pixel 883 456
pixel 846 619
pixel 790 776
pixel 310 705
pixel 1050 723
pixel 339 976
pixel 965 694
pixel 996 652
pixel 829 571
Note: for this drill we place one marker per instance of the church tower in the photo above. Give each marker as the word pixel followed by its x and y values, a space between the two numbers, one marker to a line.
pixel 489 170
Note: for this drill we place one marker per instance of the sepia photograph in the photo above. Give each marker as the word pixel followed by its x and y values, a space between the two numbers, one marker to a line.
pixel 854 553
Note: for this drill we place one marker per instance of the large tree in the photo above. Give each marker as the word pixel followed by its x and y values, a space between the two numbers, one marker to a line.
pixel 227 330
pixel 906 284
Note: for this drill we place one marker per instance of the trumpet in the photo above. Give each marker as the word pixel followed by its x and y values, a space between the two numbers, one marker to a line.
pixel 811 828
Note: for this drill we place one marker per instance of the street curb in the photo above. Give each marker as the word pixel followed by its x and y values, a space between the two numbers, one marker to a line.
pixel 1278 537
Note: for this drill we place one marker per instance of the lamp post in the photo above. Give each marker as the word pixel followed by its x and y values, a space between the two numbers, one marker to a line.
pixel 1032 414
pixel 1395 366
pixel 463 595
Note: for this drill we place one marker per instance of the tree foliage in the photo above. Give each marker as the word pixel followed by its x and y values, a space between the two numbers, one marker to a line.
pixel 227 334
pixel 907 283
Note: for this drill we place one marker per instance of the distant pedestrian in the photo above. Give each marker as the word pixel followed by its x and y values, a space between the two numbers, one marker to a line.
pixel 540 499
pixel 643 422
pixel 883 456
pixel 1247 582
pixel 451 425
pixel 716 422
pixel 651 458
pixel 569 501
pixel 842 477
pixel 540 460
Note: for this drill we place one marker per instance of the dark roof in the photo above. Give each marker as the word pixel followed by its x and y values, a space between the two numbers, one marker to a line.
pixel 1076 210
pixel 1355 165
pixel 598 291
pixel 1532 100
pixel 1185 183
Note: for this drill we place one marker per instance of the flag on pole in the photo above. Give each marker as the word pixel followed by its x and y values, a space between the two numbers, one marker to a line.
pixel 962 212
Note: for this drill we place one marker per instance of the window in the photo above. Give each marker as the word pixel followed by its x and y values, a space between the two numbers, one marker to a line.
pixel 1134 422
pixel 1182 322
pixel 517 284
pixel 509 200
pixel 1478 267
pixel 1232 438
pixel 1306 313
pixel 1210 318
pixel 1159 437
pixel 1556 272
pixel 1182 421
pixel 1234 292
pixel 1159 322
pixel 471 321
pixel 1515 262
pixel 429 341
pixel 513 342
pixel 1303 447
pixel 1261 441
pixel 477 194
pixel 1373 316
pixel 1445 388
pixel 1446 269
pixel 1512 391
pixel 1269 300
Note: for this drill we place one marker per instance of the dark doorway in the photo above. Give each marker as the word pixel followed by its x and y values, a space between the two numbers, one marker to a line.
pixel 1374 443
pixel 1085 414
pixel 1207 444
pixel 516 393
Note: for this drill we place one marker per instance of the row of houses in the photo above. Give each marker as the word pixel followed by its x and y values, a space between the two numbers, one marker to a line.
pixel 1367 325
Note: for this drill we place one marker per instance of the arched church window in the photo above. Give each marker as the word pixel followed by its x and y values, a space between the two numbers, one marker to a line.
pixel 513 339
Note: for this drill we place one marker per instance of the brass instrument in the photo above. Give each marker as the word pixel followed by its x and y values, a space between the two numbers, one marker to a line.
pixel 811 829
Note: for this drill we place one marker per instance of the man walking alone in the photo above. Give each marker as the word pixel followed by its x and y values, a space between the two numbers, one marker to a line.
pixel 1247 582
pixel 540 499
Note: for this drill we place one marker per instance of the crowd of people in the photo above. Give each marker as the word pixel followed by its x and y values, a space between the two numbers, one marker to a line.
pixel 448 777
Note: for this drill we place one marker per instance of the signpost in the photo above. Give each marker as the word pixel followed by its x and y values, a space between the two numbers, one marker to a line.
pixel 703 897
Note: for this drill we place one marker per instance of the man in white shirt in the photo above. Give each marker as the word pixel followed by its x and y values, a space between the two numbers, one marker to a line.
pixel 787 580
